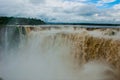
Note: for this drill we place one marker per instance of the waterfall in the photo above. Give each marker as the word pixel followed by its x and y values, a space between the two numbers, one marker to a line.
pixel 61 54
pixel 6 40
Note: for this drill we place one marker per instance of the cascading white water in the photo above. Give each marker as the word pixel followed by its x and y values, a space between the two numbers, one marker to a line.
pixel 45 55
pixel 37 60
pixel 6 40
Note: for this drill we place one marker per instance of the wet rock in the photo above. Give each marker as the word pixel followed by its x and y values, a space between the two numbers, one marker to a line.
pixel 110 32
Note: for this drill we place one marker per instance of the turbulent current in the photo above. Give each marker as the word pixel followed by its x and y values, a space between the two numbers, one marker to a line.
pixel 60 54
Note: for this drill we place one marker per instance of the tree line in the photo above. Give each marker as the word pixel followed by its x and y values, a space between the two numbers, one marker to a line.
pixel 20 21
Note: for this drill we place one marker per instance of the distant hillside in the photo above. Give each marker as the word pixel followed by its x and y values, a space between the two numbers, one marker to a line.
pixel 20 21
pixel 94 24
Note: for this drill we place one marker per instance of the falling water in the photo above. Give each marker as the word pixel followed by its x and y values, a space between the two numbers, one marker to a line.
pixel 62 54
pixel 6 40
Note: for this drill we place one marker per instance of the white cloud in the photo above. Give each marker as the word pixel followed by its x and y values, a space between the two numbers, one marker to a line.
pixel 103 2
pixel 107 1
pixel 60 10
pixel 117 7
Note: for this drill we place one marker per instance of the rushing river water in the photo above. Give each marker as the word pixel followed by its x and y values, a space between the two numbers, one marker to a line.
pixel 59 53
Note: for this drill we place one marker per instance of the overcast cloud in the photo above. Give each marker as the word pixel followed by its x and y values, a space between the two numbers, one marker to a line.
pixel 63 10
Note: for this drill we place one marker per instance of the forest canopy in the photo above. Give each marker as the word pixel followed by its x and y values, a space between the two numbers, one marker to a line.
pixel 20 21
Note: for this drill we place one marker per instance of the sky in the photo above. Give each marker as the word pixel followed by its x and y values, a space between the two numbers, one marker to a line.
pixel 70 11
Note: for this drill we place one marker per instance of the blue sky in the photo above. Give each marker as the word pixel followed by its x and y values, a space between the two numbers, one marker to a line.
pixel 97 11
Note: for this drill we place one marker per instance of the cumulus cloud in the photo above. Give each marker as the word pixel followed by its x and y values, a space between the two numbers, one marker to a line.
pixel 104 2
pixel 37 1
pixel 117 7
pixel 107 1
pixel 60 10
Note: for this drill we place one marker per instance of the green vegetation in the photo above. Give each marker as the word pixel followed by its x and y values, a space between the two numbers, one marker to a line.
pixel 20 21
